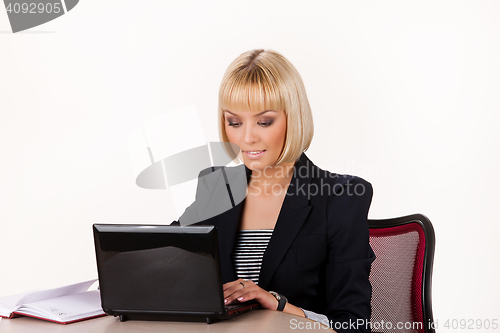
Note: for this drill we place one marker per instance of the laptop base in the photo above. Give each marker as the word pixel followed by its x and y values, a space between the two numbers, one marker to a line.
pixel 183 318
pixel 209 318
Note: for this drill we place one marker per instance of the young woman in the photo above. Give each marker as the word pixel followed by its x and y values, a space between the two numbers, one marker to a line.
pixel 298 241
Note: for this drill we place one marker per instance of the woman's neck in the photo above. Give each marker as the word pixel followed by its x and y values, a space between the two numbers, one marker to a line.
pixel 271 180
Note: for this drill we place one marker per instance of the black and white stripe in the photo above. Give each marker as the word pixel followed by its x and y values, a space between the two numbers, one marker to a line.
pixel 249 248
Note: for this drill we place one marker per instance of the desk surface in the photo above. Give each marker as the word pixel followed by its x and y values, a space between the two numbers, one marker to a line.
pixel 253 321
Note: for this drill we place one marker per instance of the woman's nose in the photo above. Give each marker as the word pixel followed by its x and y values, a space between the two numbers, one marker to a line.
pixel 250 135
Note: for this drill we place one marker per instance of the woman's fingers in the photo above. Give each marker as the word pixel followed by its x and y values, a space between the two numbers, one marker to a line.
pixel 233 283
pixel 240 282
pixel 235 289
pixel 243 290
pixel 232 287
pixel 247 295
pixel 239 295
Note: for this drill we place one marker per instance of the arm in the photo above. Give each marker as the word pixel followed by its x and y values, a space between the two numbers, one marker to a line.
pixel 245 290
pixel 235 291
pixel 348 288
pixel 320 318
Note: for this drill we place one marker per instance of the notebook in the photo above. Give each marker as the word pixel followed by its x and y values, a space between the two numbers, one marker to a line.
pixel 153 272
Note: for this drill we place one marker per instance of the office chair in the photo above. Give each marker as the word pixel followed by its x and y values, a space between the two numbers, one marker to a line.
pixel 401 274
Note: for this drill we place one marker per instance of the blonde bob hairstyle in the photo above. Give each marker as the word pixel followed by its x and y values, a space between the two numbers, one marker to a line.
pixel 261 80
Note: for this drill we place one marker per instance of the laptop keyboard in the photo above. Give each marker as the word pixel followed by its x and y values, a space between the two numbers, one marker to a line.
pixel 231 307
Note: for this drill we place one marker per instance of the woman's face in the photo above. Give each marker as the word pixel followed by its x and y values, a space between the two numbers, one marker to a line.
pixel 259 134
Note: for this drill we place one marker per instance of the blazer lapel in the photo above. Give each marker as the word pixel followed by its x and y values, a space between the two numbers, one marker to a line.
pixel 227 226
pixel 228 222
pixel 293 213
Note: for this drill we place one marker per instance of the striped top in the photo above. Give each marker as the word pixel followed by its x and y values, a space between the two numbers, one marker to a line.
pixel 248 250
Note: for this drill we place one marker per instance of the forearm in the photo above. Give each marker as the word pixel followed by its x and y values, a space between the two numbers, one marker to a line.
pixel 292 309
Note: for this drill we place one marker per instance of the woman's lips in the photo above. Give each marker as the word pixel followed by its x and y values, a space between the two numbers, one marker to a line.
pixel 253 154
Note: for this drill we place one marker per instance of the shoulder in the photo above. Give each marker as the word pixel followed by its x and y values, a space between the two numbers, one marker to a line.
pixel 342 202
pixel 331 183
pixel 349 185
pixel 233 176
pixel 347 200
pixel 222 181
pixel 208 171
pixel 227 169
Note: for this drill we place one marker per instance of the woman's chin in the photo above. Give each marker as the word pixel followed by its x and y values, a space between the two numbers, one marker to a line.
pixel 254 165
pixel 257 165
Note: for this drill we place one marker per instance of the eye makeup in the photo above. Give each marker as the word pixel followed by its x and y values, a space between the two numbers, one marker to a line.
pixel 266 122
pixel 235 122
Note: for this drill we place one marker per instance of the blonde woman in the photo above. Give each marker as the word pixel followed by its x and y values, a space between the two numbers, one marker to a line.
pixel 298 241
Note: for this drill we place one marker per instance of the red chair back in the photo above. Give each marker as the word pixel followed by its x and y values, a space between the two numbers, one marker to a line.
pixel 401 274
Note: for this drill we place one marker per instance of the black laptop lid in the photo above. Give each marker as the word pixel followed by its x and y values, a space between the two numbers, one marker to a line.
pixel 158 269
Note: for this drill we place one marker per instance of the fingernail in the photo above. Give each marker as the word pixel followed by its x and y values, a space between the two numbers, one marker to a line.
pixel 240 298
pixel 225 300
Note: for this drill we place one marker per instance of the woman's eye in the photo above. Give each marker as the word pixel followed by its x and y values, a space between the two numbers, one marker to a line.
pixel 265 123
pixel 234 124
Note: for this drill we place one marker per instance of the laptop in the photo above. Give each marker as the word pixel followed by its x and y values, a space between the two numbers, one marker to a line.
pixel 153 272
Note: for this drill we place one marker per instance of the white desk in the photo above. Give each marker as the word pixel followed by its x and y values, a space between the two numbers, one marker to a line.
pixel 261 321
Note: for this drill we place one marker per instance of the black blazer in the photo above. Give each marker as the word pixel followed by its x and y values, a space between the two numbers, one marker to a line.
pixel 319 255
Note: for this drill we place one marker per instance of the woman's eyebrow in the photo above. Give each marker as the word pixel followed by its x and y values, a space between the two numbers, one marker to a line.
pixel 259 114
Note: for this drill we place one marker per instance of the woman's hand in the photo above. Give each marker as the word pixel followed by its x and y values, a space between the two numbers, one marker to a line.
pixel 243 290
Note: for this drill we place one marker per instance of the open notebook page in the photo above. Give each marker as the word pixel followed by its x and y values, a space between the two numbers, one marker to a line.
pixel 11 303
pixel 66 308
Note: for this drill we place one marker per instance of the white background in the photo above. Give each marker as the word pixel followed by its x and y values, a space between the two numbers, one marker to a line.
pixel 404 94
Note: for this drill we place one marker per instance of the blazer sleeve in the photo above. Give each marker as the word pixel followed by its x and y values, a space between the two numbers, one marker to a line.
pixel 348 288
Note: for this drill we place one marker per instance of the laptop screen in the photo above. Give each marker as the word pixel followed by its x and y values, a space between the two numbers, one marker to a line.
pixel 152 268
